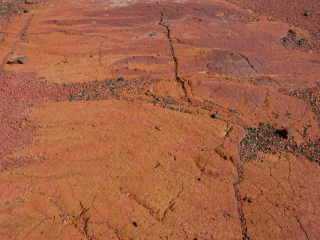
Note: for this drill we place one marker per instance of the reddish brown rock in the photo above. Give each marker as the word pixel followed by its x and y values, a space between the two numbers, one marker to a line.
pixel 160 120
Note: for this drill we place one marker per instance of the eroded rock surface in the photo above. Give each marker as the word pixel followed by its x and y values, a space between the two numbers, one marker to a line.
pixel 142 119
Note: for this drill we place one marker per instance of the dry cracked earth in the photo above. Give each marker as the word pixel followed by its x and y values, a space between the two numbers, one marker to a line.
pixel 145 119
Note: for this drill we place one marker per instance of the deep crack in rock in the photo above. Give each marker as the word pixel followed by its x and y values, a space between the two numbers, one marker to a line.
pixel 182 82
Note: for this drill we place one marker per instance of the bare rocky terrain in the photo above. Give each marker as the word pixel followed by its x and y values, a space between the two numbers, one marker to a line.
pixel 145 119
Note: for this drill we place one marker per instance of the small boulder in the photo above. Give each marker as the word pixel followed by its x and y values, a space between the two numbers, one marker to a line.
pixel 307 13
pixel 17 60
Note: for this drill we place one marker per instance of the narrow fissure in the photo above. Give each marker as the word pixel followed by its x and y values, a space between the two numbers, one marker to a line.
pixel 302 228
pixel 183 83
pixel 237 193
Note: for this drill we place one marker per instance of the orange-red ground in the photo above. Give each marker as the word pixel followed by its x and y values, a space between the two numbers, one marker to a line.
pixel 160 120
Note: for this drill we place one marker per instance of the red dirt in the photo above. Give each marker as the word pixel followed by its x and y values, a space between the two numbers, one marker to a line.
pixel 160 120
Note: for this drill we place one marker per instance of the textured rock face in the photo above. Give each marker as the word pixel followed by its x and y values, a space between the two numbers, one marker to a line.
pixel 300 13
pixel 159 120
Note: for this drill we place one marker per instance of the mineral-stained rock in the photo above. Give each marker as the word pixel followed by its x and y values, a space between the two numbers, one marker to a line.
pixel 139 119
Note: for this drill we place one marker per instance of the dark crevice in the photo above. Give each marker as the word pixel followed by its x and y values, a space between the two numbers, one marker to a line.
pixel 182 82
pixel 302 228
pixel 249 62
pixel 239 175
pixel 172 50
pixel 238 197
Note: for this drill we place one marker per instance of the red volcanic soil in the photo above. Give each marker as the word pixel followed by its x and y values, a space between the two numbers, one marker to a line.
pixel 136 119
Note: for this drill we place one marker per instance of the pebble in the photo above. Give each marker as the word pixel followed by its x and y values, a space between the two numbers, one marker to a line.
pixel 17 60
